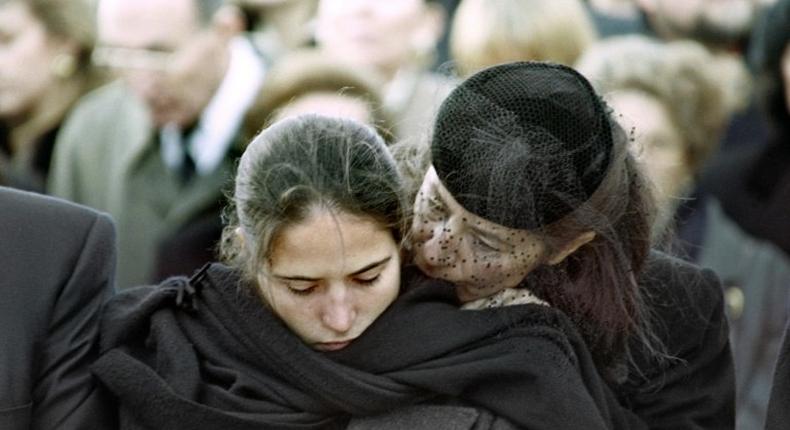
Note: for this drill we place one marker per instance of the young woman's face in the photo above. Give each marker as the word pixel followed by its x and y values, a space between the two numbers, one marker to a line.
pixel 478 256
pixel 331 276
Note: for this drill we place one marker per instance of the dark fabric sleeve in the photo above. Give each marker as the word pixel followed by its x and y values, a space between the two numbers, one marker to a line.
pixel 694 389
pixel 66 395
pixel 779 406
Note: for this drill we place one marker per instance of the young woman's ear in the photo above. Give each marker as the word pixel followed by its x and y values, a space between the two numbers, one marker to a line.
pixel 569 248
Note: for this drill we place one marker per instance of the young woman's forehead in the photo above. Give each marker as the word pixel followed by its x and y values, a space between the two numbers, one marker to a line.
pixel 329 245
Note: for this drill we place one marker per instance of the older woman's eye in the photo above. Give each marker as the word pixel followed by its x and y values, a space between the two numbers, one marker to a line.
pixel 485 246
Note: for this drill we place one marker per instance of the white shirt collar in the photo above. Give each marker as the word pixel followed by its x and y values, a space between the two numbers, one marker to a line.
pixel 220 121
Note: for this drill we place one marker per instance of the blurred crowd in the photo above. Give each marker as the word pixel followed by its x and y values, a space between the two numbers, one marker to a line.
pixel 140 109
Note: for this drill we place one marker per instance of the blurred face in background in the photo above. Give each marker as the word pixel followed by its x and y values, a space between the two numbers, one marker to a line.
pixel 171 60
pixel 708 21
pixel 659 145
pixel 28 56
pixel 382 34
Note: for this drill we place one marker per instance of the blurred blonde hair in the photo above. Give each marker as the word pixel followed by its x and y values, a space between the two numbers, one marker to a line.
pixel 699 90
pixel 485 32
pixel 309 71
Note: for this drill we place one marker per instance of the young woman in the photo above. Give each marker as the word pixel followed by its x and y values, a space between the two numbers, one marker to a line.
pixel 532 197
pixel 303 330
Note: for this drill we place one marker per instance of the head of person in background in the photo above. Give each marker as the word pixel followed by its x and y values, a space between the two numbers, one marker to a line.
pixel 173 53
pixel 719 24
pixel 385 36
pixel 486 33
pixel 278 26
pixel 532 185
pixel 310 81
pixel 673 97
pixel 45 52
pixel 316 221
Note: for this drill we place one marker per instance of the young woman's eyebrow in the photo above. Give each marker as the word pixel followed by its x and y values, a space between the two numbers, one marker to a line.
pixel 358 272
pixel 372 265
pixel 294 278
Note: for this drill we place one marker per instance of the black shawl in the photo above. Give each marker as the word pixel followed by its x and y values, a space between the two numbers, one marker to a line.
pixel 205 353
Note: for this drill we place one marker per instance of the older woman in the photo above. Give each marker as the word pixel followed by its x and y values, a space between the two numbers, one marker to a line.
pixel 532 197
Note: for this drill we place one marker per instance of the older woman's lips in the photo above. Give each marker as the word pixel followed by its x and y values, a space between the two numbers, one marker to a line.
pixel 332 346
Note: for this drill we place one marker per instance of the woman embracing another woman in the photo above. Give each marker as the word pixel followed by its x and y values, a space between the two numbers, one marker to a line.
pixel 313 322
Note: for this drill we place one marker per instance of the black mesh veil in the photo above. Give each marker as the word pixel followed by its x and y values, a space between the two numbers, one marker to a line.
pixel 522 144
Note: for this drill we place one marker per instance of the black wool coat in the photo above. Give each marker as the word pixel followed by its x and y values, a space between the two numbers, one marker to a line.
pixel 57 270
pixel 694 387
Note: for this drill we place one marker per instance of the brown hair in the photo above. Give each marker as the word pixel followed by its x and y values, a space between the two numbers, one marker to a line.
pixel 310 71
pixel 301 163
pixel 72 20
pixel 485 33
pixel 682 75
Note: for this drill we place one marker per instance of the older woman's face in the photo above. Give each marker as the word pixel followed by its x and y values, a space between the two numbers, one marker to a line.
pixel 27 54
pixel 330 276
pixel 477 255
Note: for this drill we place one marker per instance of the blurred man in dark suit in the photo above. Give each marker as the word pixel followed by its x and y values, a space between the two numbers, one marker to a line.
pixel 57 262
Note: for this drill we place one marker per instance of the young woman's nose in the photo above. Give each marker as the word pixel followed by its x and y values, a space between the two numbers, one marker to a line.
pixel 339 311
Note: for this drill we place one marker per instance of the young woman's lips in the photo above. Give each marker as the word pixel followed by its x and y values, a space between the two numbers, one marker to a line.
pixel 332 346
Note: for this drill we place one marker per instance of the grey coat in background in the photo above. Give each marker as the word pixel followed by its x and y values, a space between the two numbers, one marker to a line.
pixel 58 262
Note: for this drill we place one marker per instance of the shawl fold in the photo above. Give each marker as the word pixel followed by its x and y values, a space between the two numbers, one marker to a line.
pixel 206 353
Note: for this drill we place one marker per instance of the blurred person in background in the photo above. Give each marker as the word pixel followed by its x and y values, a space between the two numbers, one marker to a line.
pixel 279 26
pixel 45 50
pixel 310 81
pixel 718 24
pixel 670 96
pixel 301 82
pixel 395 40
pixel 750 190
pixel 156 149
pixel 58 267
pixel 488 33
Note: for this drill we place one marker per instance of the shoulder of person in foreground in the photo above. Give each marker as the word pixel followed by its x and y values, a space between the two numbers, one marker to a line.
pixel 688 383
pixel 778 410
pixel 59 262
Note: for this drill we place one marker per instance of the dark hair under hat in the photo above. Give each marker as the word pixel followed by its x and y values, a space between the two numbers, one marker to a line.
pixel 522 144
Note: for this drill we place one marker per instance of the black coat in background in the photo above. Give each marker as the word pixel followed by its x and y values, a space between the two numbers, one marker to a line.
pixel 694 389
pixel 58 261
